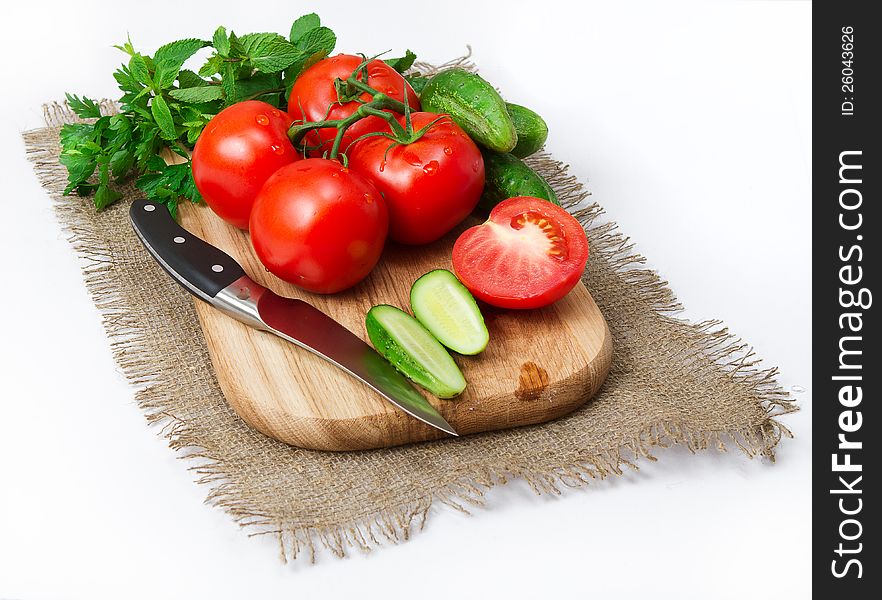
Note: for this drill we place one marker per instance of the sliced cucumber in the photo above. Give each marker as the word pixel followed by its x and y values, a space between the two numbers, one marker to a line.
pixel 448 310
pixel 411 348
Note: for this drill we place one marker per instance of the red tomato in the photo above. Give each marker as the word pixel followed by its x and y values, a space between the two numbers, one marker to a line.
pixel 529 253
pixel 319 225
pixel 238 150
pixel 430 185
pixel 314 92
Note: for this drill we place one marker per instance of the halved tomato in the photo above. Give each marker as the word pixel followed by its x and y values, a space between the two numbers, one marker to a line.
pixel 528 254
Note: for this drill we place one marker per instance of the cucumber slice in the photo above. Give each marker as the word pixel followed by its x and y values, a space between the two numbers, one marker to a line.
pixel 412 350
pixel 446 308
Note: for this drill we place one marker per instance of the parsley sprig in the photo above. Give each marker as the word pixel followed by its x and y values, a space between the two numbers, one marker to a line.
pixel 165 107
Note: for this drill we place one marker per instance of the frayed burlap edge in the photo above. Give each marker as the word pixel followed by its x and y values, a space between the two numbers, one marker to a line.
pixel 709 340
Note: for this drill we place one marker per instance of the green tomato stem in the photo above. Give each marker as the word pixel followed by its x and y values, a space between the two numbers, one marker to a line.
pixel 372 109
pixel 375 107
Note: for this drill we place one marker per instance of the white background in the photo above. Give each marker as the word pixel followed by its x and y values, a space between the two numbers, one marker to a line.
pixel 691 121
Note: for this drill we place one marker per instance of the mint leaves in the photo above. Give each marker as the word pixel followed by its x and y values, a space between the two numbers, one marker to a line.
pixel 303 25
pixel 402 64
pixel 164 106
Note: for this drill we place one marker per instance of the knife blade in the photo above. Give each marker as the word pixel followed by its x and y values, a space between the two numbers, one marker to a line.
pixel 216 278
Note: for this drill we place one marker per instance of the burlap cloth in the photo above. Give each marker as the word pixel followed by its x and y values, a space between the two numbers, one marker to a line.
pixel 671 382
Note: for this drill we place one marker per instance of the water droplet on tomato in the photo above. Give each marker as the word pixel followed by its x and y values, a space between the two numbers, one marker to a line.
pixel 412 159
pixel 278 149
pixel 262 119
pixel 382 166
pixel 431 167
pixel 448 150
pixel 368 198
pixel 390 92
pixel 335 174
pixel 476 167
pixel 276 113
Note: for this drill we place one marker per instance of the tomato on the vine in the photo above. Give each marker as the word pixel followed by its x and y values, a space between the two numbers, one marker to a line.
pixel 319 225
pixel 314 97
pixel 235 154
pixel 528 254
pixel 431 184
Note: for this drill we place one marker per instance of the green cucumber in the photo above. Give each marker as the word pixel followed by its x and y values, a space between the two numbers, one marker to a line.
pixel 474 105
pixel 531 128
pixel 448 310
pixel 507 176
pixel 412 350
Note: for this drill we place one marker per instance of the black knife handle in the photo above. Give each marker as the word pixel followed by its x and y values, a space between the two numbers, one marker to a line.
pixel 197 265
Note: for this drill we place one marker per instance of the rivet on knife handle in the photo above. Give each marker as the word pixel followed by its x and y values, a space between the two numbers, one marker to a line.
pixel 195 264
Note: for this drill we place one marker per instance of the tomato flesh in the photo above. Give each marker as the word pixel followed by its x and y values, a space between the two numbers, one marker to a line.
pixel 319 225
pixel 236 153
pixel 314 93
pixel 528 254
pixel 430 185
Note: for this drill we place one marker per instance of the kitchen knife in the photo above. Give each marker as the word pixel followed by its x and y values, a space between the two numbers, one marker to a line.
pixel 213 276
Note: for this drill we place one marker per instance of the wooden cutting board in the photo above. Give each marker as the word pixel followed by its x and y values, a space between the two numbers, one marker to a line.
pixel 539 365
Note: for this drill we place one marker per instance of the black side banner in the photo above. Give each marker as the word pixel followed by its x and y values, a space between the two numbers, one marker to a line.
pixel 847 60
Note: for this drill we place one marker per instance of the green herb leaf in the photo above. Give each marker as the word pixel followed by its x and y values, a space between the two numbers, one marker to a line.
pixel 139 70
pixel 83 107
pixel 188 79
pixel 404 63
pixel 76 134
pixel 319 39
pixel 276 55
pixel 250 42
pixel 121 162
pixel 171 57
pixel 163 117
pixel 304 24
pixel 314 45
pixel 125 80
pixel 176 53
pixel 212 66
pixel 104 195
pixel 166 184
pixel 194 95
pixel 148 144
pixel 221 41
pixel 228 83
pixel 127 47
pixel 261 82
pixel 268 52
pixel 166 107
pixel 417 82
pixel 164 76
pixel 236 49
pixel 80 168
